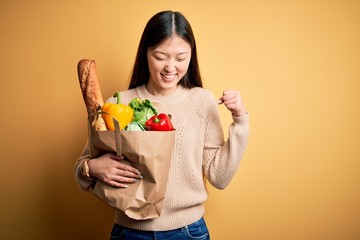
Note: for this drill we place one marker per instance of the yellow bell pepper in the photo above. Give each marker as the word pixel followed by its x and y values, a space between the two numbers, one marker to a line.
pixel 122 113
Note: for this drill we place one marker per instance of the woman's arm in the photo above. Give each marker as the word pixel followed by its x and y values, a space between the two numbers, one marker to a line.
pixel 221 159
pixel 85 183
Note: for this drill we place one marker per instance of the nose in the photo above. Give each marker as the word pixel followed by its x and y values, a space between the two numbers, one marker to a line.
pixel 170 66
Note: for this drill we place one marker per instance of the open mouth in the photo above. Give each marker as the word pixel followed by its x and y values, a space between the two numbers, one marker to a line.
pixel 168 76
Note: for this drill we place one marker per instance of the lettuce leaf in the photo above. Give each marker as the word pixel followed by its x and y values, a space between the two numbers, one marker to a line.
pixel 143 110
pixel 134 126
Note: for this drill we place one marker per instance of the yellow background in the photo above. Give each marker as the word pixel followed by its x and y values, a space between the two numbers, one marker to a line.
pixel 296 63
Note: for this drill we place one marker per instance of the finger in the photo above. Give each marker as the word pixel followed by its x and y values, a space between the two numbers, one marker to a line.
pixel 221 100
pixel 122 179
pixel 119 181
pixel 128 168
pixel 124 164
pixel 230 95
pixel 117 184
pixel 125 173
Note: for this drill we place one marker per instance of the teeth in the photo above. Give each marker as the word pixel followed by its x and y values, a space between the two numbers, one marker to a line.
pixel 169 76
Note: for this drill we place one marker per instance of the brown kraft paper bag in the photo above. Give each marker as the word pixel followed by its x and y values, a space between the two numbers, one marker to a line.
pixel 148 151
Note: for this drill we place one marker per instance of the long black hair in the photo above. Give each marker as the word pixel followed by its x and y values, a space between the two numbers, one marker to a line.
pixel 160 27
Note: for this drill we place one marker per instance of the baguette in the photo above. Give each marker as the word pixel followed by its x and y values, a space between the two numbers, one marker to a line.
pixel 90 86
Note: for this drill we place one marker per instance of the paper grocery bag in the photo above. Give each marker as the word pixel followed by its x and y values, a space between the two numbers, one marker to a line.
pixel 148 151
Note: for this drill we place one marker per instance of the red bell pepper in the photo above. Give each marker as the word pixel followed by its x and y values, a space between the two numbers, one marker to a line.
pixel 160 122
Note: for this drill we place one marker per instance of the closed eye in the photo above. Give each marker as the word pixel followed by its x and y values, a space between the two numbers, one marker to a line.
pixel 159 58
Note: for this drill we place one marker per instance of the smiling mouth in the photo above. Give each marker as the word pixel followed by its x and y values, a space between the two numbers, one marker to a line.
pixel 168 76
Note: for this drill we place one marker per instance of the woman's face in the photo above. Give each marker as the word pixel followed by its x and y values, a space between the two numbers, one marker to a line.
pixel 168 63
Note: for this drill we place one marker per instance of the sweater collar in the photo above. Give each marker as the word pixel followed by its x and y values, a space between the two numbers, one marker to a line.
pixel 178 95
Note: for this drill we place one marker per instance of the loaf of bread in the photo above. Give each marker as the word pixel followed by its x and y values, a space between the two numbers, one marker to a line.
pixel 90 86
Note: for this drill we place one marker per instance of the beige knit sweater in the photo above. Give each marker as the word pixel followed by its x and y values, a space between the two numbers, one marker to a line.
pixel 200 150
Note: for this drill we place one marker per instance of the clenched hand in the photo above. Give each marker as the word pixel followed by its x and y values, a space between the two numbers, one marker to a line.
pixel 233 101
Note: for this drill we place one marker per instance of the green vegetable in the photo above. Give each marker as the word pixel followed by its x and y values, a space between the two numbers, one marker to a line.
pixel 134 126
pixel 143 110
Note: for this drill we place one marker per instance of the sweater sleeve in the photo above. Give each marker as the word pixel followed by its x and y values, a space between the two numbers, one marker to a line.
pixel 85 183
pixel 221 159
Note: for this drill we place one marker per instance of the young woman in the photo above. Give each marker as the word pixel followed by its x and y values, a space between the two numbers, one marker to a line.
pixel 166 72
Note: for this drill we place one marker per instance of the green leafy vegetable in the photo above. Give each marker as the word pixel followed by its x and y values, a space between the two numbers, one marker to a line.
pixel 143 110
pixel 134 126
